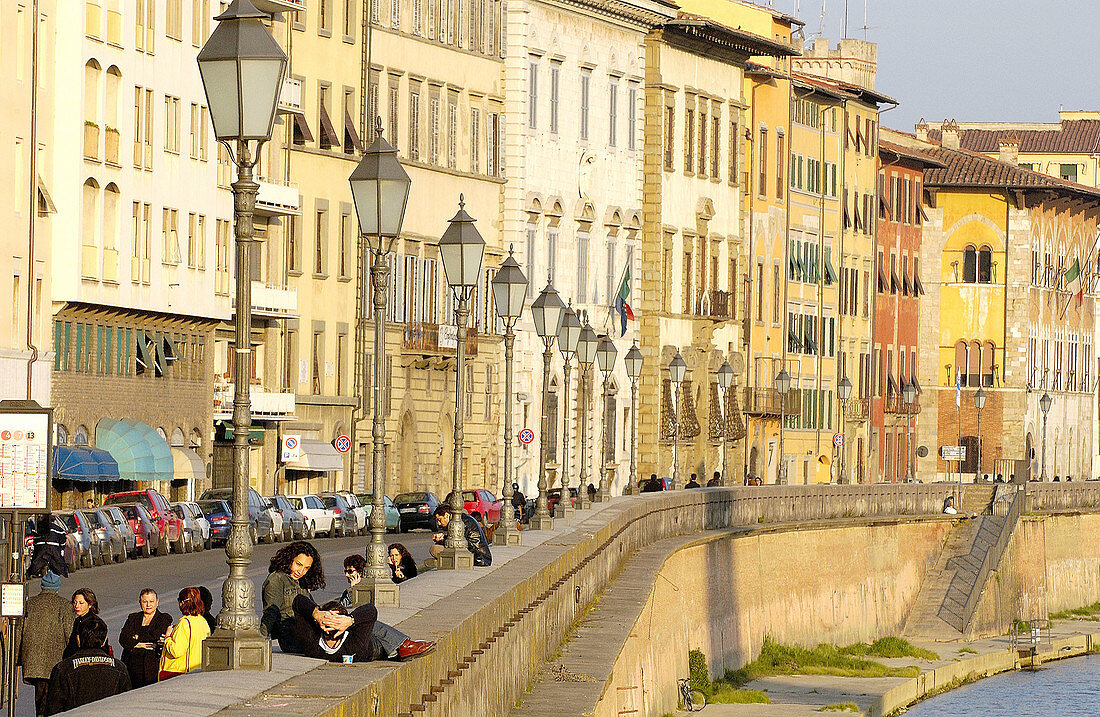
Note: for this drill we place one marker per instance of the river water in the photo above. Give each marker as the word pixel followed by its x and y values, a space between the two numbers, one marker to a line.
pixel 1064 688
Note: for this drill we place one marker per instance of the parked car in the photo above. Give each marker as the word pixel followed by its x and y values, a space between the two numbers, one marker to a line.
pixel 160 512
pixel 192 533
pixel 280 530
pixel 87 542
pixel 218 513
pixel 71 551
pixel 129 539
pixel 483 502
pixel 417 510
pixel 261 526
pixel 359 509
pixel 321 519
pixel 201 521
pixel 111 543
pixel 393 517
pixel 338 504
pixel 292 518
pixel 553 497
pixel 147 538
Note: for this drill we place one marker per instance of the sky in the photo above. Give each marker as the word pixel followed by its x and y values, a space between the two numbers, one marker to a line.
pixel 970 60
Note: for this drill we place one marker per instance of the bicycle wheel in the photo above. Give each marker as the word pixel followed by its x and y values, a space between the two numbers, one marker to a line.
pixel 698 701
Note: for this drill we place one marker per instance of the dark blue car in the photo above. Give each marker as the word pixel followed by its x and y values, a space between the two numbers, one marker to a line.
pixel 218 513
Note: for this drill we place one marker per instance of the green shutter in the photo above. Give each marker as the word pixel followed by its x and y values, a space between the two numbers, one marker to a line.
pixel 80 347
pixel 58 330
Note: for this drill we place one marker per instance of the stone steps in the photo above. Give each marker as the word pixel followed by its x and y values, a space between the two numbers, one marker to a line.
pixel 976 499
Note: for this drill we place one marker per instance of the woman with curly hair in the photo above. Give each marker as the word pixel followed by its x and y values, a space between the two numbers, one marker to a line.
pixel 402 565
pixel 294 570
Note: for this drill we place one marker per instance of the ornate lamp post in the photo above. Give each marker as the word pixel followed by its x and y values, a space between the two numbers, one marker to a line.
pixel 782 385
pixel 1044 406
pixel 547 312
pixel 909 395
pixel 979 403
pixel 633 363
pixel 605 358
pixel 509 293
pixel 461 249
pixel 586 354
pixel 725 380
pixel 569 336
pixel 242 69
pixel 676 370
pixel 380 191
pixel 844 391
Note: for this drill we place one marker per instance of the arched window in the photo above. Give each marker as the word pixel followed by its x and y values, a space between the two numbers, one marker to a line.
pixel 62 434
pixel 111 204
pixel 975 363
pixel 110 115
pixel 970 264
pixel 196 438
pixel 960 362
pixel 80 438
pixel 988 353
pixel 89 264
pixel 92 71
pixel 985 265
pixel 177 437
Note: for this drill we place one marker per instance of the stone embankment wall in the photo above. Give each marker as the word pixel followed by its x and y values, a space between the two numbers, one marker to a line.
pixel 725 594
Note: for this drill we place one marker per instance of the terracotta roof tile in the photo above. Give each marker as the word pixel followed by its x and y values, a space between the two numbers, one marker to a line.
pixel 1070 136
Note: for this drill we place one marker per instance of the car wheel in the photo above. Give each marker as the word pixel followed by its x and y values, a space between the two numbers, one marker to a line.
pixel 209 543
pixel 200 545
pixel 180 544
pixel 146 551
pixel 311 531
pixel 122 554
pixel 401 527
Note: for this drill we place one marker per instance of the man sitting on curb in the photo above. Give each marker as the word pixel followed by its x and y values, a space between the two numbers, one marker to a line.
pixel 330 633
pixel 476 541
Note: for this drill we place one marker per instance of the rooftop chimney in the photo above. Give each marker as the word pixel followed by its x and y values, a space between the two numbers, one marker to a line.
pixel 1008 149
pixel 922 130
pixel 950 134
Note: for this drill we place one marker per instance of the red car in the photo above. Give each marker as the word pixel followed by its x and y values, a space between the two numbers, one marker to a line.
pixel 483 502
pixel 146 538
pixel 160 512
pixel 553 497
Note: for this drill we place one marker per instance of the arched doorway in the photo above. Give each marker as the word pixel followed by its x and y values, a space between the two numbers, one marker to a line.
pixel 754 459
pixel 1029 454
pixel 406 472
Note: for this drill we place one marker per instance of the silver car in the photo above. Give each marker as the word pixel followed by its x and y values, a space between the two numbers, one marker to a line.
pixel 200 519
pixel 111 542
pixel 190 536
pixel 123 527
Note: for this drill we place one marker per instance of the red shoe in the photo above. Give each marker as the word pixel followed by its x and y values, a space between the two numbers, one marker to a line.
pixel 414 648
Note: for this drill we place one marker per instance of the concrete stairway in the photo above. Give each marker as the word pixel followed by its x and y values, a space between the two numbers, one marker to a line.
pixel 977 499
pixel 938 613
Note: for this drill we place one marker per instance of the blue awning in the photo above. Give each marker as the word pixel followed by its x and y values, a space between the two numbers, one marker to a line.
pixel 83 463
pixel 141 454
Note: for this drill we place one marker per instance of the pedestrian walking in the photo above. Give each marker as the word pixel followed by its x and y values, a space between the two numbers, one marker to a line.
pixel 402 564
pixel 90 674
pixel 519 501
pixel 142 639
pixel 47 624
pixel 716 481
pixel 48 546
pixel 86 607
pixel 693 483
pixel 183 645
pixel 294 570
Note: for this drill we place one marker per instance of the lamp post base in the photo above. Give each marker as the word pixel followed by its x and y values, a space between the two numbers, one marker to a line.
pixel 383 592
pixel 542 523
pixel 456 559
pixel 507 533
pixel 602 498
pixel 227 650
pixel 564 511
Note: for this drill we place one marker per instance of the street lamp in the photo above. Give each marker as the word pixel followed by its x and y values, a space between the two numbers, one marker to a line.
pixel 547 312
pixel 380 191
pixel 909 395
pixel 979 403
pixel 844 391
pixel 242 69
pixel 676 370
pixel 461 249
pixel 1044 405
pixel 725 380
pixel 605 358
pixel 509 293
pixel 569 336
pixel 782 385
pixel 586 354
pixel 633 363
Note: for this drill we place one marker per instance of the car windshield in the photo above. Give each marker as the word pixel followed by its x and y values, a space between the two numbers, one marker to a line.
pixel 411 498
pixel 178 510
pixel 331 501
pixel 213 506
pixel 70 522
pixel 469 496
pixel 296 502
pixel 352 500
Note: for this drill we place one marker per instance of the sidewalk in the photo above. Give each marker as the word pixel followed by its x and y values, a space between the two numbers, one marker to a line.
pixel 209 693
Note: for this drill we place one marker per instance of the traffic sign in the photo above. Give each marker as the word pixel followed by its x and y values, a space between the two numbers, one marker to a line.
pixel 953 453
pixel 838 439
pixel 292 450
pixel 343 444
pixel 526 436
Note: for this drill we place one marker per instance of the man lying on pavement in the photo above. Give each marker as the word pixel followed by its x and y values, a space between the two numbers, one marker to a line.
pixel 330 633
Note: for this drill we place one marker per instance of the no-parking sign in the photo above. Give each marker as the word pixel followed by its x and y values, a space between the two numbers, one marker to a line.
pixel 838 439
pixel 343 444
pixel 292 449
pixel 526 436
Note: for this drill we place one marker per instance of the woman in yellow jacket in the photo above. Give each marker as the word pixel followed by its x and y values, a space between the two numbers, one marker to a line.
pixel 183 643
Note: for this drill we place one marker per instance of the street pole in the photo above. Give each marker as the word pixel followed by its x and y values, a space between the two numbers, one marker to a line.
pixel 509 288
pixel 676 441
pixel 455 554
pixel 564 508
pixel 541 520
pixel 603 495
pixel 725 438
pixel 978 468
pixel 1043 468
pixel 582 481
pixel 633 436
pixel 781 469
pixel 843 442
pixel 909 439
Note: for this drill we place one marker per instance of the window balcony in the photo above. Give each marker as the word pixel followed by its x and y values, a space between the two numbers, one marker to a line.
pixel 428 339
pixel 272 302
pixel 290 99
pixel 858 409
pixel 895 404
pixel 715 304
pixel 265 405
pixel 768 402
pixel 278 199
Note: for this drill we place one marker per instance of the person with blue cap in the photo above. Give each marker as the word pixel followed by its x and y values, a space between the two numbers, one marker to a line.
pixel 45 632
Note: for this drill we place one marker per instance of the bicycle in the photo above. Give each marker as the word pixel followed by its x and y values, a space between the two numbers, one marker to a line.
pixel 693 700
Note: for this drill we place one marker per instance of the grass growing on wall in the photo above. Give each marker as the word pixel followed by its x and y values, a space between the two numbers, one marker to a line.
pixel 840 707
pixel 778 659
pixel 1088 612
pixel 889 647
pixel 720 690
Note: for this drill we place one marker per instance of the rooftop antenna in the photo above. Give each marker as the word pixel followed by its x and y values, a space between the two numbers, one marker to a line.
pixel 865 26
pixel 821 24
pixel 845 32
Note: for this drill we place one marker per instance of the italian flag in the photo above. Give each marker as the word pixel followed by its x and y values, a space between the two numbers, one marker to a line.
pixel 621 305
pixel 1073 281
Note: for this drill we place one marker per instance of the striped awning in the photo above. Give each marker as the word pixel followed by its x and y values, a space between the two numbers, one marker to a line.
pixel 141 454
pixel 84 463
pixel 187 465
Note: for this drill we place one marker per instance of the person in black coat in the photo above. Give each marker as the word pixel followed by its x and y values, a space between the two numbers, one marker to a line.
pixel 207 603
pixel 142 639
pixel 90 674
pixel 48 551
pixel 401 562
pixel 476 542
pixel 86 608
pixel 329 632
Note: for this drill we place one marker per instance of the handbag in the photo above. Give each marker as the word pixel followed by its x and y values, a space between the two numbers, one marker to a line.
pixel 166 674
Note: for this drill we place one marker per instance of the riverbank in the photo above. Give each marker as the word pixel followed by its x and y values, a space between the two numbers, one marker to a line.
pixel 959 663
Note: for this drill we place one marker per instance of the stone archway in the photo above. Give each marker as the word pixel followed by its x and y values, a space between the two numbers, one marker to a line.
pixel 406 438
